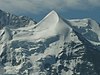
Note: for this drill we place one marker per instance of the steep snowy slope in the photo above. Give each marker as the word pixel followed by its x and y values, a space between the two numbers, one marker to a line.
pixel 13 21
pixel 54 46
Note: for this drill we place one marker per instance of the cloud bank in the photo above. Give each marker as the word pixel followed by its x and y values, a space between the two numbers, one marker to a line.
pixel 34 6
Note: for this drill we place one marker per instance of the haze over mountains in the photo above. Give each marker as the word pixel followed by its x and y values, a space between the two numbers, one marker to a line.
pixel 54 46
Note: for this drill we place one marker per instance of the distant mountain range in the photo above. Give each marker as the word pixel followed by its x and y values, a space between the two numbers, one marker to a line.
pixel 54 46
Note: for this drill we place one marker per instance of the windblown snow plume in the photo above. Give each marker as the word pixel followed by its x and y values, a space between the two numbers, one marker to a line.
pixel 54 46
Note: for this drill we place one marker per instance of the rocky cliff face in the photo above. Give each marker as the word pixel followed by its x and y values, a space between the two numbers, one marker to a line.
pixel 54 46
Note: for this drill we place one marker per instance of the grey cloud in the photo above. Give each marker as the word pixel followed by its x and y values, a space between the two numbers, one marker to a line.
pixel 94 2
pixel 34 6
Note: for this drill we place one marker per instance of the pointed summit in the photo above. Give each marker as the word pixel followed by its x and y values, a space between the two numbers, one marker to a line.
pixel 52 25
pixel 50 19
pixel 52 13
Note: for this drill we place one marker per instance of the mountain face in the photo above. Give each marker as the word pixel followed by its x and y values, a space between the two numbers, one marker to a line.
pixel 54 46
pixel 13 21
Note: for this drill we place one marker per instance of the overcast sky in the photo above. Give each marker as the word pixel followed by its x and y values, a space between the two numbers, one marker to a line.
pixel 37 9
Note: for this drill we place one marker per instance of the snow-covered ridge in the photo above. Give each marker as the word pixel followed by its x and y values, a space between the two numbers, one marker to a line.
pixel 13 21
pixel 54 46
pixel 88 28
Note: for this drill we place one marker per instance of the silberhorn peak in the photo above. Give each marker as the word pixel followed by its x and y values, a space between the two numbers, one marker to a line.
pixel 53 46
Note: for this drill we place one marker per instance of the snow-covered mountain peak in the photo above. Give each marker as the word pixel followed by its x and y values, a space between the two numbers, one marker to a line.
pixel 53 12
pixel 50 20
pixel 52 25
pixel 51 17
pixel 54 46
